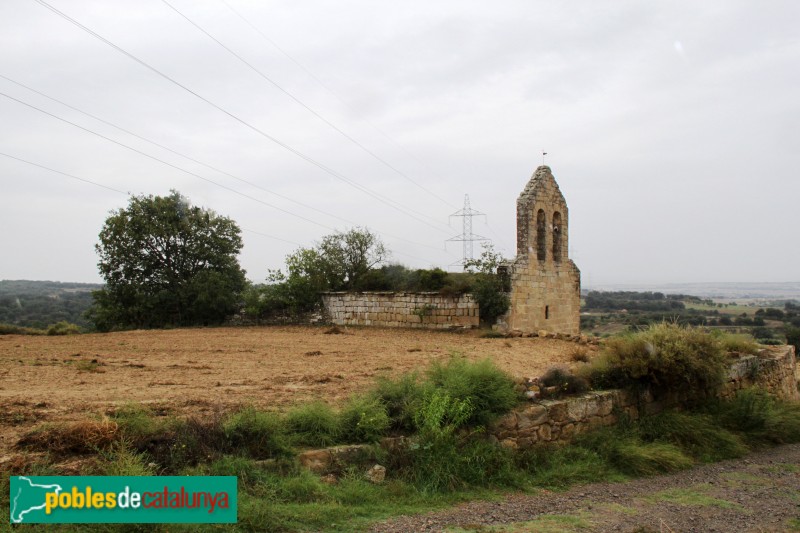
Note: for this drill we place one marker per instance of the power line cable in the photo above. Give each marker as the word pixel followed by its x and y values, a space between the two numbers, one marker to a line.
pixel 189 172
pixel 299 154
pixel 198 176
pixel 328 89
pixel 202 163
pixel 72 176
pixel 123 192
pixel 64 173
pixel 301 103
pixel 163 147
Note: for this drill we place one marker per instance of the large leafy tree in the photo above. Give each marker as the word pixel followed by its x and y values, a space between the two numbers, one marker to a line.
pixel 166 262
pixel 339 261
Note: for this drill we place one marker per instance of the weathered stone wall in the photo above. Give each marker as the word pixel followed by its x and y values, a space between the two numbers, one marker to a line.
pixel 545 283
pixel 559 420
pixel 401 309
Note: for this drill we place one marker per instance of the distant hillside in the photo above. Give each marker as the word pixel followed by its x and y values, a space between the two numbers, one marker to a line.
pixel 37 304
pixel 722 290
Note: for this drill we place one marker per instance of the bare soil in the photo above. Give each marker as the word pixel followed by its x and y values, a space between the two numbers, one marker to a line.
pixel 194 371
pixel 758 493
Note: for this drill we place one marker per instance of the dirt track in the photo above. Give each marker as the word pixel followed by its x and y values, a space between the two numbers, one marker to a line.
pixel 758 493
pixel 196 370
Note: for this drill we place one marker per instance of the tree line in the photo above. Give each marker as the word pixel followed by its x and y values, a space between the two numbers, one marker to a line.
pixel 168 263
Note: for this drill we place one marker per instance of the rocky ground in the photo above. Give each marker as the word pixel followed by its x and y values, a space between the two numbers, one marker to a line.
pixel 760 492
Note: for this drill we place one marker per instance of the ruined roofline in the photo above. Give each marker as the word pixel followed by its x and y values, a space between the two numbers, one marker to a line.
pixel 541 173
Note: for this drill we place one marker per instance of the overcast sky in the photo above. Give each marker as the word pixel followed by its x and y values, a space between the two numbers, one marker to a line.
pixel 673 128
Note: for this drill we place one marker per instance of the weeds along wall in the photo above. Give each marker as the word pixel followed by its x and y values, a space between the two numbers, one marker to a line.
pixel 560 420
pixel 401 309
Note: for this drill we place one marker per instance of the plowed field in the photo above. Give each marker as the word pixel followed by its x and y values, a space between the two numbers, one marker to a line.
pixel 198 370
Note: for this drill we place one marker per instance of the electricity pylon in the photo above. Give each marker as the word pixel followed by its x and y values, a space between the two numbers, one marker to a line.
pixel 466 237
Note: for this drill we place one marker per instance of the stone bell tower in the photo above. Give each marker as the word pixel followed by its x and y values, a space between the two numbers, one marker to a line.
pixel 545 283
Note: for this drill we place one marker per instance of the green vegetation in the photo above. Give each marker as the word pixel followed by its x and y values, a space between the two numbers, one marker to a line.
pixel 605 313
pixel 563 381
pixel 761 417
pixel 313 424
pixel 489 289
pixel 663 357
pixel 167 263
pixel 364 419
pixel 695 497
pixel 38 304
pixel 444 456
pixel 10 329
pixel 63 328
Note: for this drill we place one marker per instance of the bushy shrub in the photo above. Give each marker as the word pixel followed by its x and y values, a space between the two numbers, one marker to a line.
pixel 122 460
pixel 488 291
pixel 400 396
pixel 736 342
pixel 11 329
pixel 313 424
pixel 83 437
pixel 490 391
pixel 444 457
pixel 363 419
pixel 257 433
pixel 564 381
pixel 664 357
pixel 63 328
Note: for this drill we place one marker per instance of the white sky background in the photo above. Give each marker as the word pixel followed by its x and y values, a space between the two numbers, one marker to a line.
pixel 673 128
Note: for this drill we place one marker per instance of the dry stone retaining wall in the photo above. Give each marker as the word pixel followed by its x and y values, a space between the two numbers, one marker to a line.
pixel 559 420
pixel 401 309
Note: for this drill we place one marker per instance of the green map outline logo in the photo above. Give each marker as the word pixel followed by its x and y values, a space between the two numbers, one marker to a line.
pixel 15 500
pixel 123 499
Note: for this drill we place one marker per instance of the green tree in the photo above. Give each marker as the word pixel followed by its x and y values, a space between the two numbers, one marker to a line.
pixel 166 262
pixel 489 289
pixel 339 261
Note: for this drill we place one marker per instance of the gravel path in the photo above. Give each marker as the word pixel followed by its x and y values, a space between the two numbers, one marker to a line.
pixel 760 492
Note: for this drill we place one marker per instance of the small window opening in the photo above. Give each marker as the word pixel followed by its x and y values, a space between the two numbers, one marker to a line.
pixel 546 312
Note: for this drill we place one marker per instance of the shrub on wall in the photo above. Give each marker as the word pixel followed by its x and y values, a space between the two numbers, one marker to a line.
pixel 662 357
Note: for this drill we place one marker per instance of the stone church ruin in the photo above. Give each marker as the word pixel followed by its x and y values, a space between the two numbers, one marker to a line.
pixel 545 282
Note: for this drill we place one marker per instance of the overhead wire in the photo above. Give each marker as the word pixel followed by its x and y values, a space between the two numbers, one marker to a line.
pixel 327 88
pixel 301 103
pixel 164 147
pixel 235 117
pixel 198 176
pixel 123 192
pixel 189 172
pixel 64 173
pixel 167 148
pixel 72 176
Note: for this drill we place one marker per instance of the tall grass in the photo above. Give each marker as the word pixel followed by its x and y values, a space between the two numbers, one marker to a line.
pixel 256 433
pixel 760 417
pixel 490 390
pixel 313 424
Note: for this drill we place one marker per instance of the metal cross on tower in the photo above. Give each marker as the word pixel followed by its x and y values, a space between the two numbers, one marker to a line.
pixel 466 237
